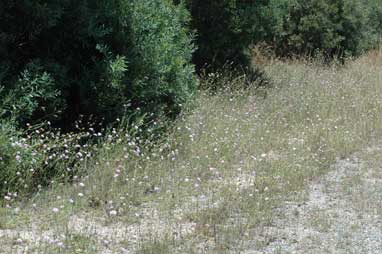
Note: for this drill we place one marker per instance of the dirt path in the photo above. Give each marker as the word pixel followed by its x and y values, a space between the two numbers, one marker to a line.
pixel 341 213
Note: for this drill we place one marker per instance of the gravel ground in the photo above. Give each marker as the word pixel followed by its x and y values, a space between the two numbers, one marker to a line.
pixel 341 213
pixel 338 213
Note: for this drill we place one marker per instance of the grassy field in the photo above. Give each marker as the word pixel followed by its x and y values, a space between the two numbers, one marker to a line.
pixel 216 176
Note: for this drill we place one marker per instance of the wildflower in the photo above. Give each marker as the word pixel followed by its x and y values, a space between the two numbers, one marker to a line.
pixel 113 213
pixel 60 244
pixel 55 210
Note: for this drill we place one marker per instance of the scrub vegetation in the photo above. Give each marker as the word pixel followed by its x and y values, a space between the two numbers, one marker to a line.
pixel 177 126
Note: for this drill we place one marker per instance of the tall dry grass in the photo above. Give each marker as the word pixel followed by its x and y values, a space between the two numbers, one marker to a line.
pixel 223 168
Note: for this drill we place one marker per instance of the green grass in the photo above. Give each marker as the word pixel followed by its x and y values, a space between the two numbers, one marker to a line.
pixel 224 167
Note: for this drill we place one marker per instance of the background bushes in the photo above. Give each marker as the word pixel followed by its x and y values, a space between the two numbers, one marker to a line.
pixel 66 58
pixel 333 28
pixel 62 59
pixel 224 31
pixel 373 27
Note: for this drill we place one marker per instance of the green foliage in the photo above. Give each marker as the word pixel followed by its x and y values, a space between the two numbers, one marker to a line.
pixel 225 29
pixel 163 77
pixel 373 28
pixel 309 27
pixel 33 87
pixel 299 27
pixel 375 16
pixel 66 58
pixel 330 27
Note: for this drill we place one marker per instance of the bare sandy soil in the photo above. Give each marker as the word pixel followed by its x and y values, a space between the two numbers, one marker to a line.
pixel 339 213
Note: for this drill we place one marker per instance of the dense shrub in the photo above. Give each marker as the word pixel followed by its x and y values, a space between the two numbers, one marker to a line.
pixel 373 28
pixel 161 69
pixel 328 27
pixel 331 27
pixel 291 27
pixel 225 29
pixel 63 58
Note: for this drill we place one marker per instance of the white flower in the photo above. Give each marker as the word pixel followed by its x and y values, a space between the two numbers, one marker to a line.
pixel 113 213
pixel 55 210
